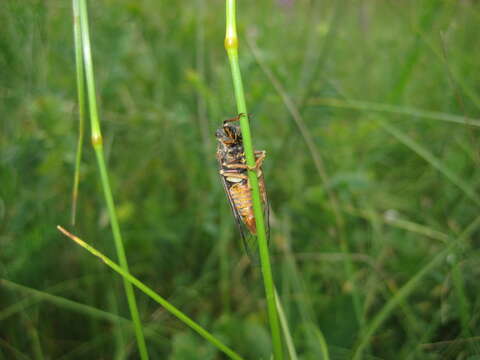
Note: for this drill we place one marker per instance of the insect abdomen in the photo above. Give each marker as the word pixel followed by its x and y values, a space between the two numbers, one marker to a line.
pixel 242 199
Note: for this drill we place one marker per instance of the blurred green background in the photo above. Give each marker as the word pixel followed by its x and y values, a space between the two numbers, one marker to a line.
pixel 367 112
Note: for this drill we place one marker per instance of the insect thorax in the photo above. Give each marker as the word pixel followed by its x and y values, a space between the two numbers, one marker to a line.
pixel 230 154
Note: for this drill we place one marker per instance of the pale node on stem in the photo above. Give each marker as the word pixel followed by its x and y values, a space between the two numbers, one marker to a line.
pixel 97 139
pixel 231 42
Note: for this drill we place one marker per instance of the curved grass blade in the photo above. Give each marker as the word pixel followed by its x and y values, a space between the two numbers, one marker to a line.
pixel 394 109
pixel 59 301
pixel 153 295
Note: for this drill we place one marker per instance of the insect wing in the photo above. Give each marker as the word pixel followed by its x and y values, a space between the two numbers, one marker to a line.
pixel 248 239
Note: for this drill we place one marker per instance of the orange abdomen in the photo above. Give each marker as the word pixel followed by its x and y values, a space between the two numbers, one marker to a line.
pixel 242 199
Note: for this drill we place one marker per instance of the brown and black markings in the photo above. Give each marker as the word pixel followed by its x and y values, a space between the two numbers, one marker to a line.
pixel 234 176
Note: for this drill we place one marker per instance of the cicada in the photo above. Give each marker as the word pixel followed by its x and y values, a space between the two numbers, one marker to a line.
pixel 233 173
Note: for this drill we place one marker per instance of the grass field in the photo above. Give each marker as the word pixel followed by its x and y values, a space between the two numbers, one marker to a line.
pixel 369 113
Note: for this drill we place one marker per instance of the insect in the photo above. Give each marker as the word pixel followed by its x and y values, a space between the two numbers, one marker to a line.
pixel 233 173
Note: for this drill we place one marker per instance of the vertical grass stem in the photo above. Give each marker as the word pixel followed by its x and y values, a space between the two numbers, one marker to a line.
pixel 81 105
pixel 231 46
pixel 98 147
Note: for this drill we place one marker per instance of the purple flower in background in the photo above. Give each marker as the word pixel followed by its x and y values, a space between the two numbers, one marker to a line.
pixel 286 3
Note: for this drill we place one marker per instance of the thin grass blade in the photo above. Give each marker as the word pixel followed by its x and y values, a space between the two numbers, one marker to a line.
pixel 153 295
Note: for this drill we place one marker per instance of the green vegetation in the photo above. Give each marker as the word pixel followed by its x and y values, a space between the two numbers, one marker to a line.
pixel 83 60
pixel 231 46
pixel 369 115
pixel 149 292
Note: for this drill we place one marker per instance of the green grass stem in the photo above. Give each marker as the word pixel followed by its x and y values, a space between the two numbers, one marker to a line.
pixel 394 109
pixel 429 13
pixel 231 46
pixel 98 147
pixel 33 296
pixel 404 224
pixel 60 302
pixel 285 329
pixel 81 104
pixel 321 340
pixel 153 295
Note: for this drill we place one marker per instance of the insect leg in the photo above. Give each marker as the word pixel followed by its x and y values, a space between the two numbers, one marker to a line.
pixel 237 118
pixel 260 157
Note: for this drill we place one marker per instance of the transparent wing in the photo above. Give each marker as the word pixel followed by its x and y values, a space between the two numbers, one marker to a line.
pixel 249 240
